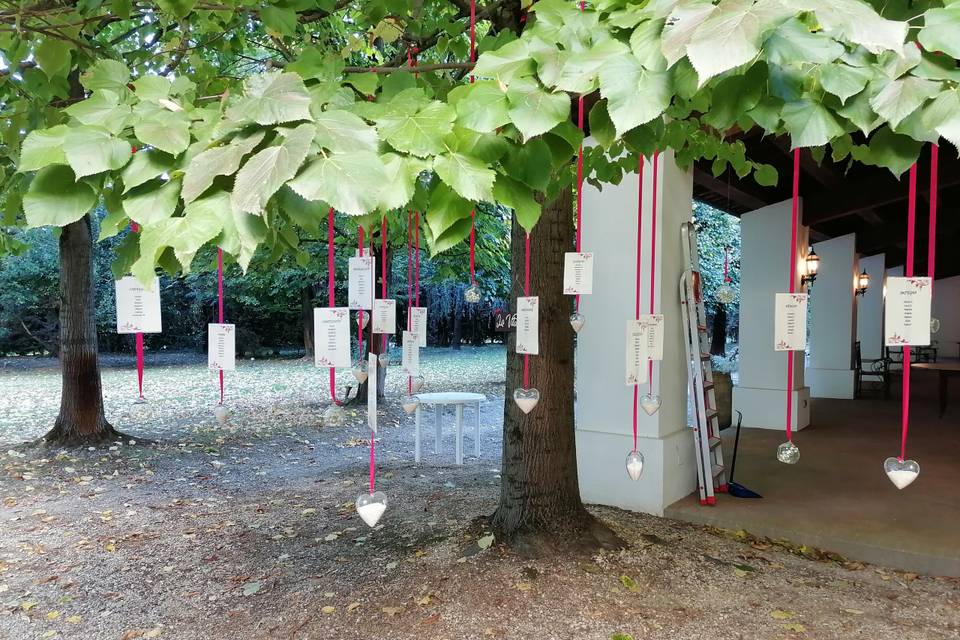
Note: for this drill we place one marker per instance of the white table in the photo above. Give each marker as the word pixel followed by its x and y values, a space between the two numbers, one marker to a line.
pixel 459 400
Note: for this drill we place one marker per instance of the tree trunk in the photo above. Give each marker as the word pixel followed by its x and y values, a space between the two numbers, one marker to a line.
pixel 540 505
pixel 81 419
pixel 456 338
pixel 718 342
pixel 306 316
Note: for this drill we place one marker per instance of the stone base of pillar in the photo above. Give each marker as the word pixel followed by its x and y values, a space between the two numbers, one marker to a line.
pixel 669 471
pixel 765 408
pixel 831 383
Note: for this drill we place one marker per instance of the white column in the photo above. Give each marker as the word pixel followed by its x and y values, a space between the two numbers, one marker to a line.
pixel 764 272
pixel 604 401
pixel 946 293
pixel 833 319
pixel 870 308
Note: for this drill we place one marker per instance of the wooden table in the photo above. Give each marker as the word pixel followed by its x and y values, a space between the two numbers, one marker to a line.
pixel 459 400
pixel 947 368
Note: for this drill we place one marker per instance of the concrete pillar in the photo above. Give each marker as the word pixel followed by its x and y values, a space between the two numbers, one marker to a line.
pixel 765 250
pixel 946 292
pixel 604 401
pixel 833 319
pixel 870 308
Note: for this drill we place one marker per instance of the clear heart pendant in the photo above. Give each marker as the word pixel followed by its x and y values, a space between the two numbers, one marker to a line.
pixel 362 319
pixel 934 325
pixel 788 453
pixel 577 321
pixel 650 403
pixel 221 413
pixel 359 371
pixel 383 359
pixel 472 294
pixel 901 472
pixel 370 506
pixel 410 404
pixel 526 399
pixel 635 465
pixel 333 416
pixel 416 383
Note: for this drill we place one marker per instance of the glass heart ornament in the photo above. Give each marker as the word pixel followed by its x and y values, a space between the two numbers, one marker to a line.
pixel 650 403
pixel 788 453
pixel 139 408
pixel 359 371
pixel 383 359
pixel 416 383
pixel 221 413
pixel 362 319
pixel 472 294
pixel 901 472
pixel 526 399
pixel 635 465
pixel 410 404
pixel 370 506
pixel 577 321
pixel 934 325
pixel 333 416
pixel 726 294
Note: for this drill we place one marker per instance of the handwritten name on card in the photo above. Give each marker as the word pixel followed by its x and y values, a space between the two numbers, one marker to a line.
pixel 577 273
pixel 528 325
pixel 331 337
pixel 410 359
pixel 654 324
pixel 790 322
pixel 907 312
pixel 384 316
pixel 418 324
pixel 360 282
pixel 372 392
pixel 138 307
pixel 637 355
pixel 221 347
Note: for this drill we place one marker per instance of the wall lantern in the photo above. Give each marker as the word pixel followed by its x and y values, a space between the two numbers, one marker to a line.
pixel 813 263
pixel 863 283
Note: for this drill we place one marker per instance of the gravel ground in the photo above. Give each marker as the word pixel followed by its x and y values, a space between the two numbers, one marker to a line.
pixel 250 532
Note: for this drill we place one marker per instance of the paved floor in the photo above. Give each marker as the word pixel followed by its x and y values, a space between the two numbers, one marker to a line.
pixel 838 498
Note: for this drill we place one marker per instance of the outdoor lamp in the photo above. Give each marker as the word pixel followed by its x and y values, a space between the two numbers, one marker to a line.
pixel 863 283
pixel 813 263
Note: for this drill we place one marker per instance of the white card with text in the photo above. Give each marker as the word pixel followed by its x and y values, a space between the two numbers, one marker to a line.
pixel 331 337
pixel 410 360
pixel 790 322
pixel 528 325
pixel 372 392
pixel 636 352
pixel 907 313
pixel 221 347
pixel 384 316
pixel 418 324
pixel 138 308
pixel 577 273
pixel 654 324
pixel 360 282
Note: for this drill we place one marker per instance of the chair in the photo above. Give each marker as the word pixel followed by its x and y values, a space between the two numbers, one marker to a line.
pixel 875 370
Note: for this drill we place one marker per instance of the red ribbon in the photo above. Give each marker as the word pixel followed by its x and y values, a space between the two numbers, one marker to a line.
pixel 726 265
pixel 220 304
pixel 636 304
pixel 911 237
pixel 653 254
pixel 360 312
pixel 330 296
pixel 383 271
pixel 932 229
pixel 526 292
pixel 794 214
pixel 138 338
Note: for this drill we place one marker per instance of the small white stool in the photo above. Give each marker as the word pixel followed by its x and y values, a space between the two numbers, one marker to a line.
pixel 438 400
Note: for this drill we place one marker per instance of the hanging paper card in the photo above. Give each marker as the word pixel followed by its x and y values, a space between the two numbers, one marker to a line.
pixel 331 337
pixel 138 308
pixel 418 324
pixel 360 282
pixel 372 392
pixel 907 313
pixel 528 325
pixel 410 361
pixel 384 316
pixel 654 324
pixel 577 273
pixel 221 347
pixel 790 322
pixel 636 352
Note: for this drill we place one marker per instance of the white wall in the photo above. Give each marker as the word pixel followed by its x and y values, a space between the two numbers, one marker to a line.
pixel 870 308
pixel 946 307
pixel 833 319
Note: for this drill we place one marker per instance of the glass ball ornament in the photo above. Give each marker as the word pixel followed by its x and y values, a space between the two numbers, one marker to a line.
pixel 362 319
pixel 333 416
pixel 934 325
pixel 416 383
pixel 359 371
pixel 901 472
pixel 222 414
pixel 472 294
pixel 410 404
pixel 140 408
pixel 383 359
pixel 650 403
pixel 635 465
pixel 577 321
pixel 726 294
pixel 370 507
pixel 788 453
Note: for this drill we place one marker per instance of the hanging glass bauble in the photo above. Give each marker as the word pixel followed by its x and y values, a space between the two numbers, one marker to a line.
pixel 901 472
pixel 635 465
pixel 370 506
pixel 726 294
pixel 383 359
pixel 577 321
pixel 788 453
pixel 416 383
pixel 359 371
pixel 650 403
pixel 333 416
pixel 410 403
pixel 472 294
pixel 362 319
pixel 139 408
pixel 934 325
pixel 221 413
pixel 526 399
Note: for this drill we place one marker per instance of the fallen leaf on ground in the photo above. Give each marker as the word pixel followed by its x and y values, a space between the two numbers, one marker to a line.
pixel 780 614
pixel 485 541
pixel 392 611
pixel 251 588
pixel 796 627
pixel 53 615
pixel 854 612
pixel 629 583
pixel 328 610
pixel 353 606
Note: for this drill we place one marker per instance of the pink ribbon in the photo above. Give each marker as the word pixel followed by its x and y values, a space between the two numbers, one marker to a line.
pixel 911 238
pixel 138 338
pixel 794 222
pixel 636 303
pixel 220 304
pixel 526 292
pixel 653 254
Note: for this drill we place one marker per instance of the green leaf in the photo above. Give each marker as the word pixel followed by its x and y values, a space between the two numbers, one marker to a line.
pixel 400 180
pixel 112 224
pixel 601 126
pixel 264 173
pixel 682 23
pixel 272 98
pixel 941 30
pixel 202 222
pixel 518 197
pixel 145 165
pixel 634 95
pixel 166 130
pixel 55 198
pixel 343 131
pixel 888 149
pixel 579 72
pixel 106 74
pixel 533 110
pixel 90 151
pixel 943 116
pixel 179 8
pixel 365 83
pixel 481 106
pixel 43 147
pixel 856 22
pixel 859 112
pixel 102 109
pixel 53 57
pixel 793 43
pixel 844 81
pixel 510 61
pixel 281 21
pixel 152 87
pixel 809 124
pixel 349 182
pixel 466 175
pixel 152 201
pixel 446 208
pixel 418 131
pixel 530 164
pixel 219 161
pixel 765 175
pixel 900 98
